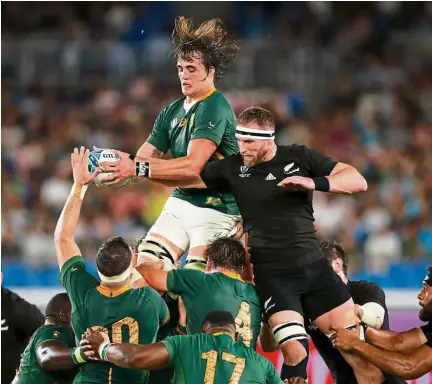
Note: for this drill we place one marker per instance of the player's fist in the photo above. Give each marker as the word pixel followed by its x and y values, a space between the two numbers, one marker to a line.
pixel 93 341
pixel 298 183
pixel 345 339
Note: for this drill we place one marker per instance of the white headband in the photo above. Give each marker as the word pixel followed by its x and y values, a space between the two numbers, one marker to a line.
pixel 254 134
pixel 118 278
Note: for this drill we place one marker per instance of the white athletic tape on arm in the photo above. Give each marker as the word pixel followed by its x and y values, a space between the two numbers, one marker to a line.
pixel 372 312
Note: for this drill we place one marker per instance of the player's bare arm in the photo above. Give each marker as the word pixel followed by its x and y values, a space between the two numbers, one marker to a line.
pixel 344 179
pixel 156 278
pixel 407 366
pixel 64 241
pixel 182 168
pixel 153 356
pixel 403 342
pixel 54 356
pixel 149 151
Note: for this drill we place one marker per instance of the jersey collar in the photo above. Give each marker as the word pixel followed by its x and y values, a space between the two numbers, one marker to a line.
pixel 112 292
pixel 222 333
pixel 233 275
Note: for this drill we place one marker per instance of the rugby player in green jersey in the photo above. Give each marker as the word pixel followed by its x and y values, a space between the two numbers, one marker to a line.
pixel 51 356
pixel 126 315
pixel 196 129
pixel 212 357
pixel 221 288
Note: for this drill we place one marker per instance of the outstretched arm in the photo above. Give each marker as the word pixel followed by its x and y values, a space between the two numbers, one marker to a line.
pixel 403 342
pixel 411 366
pixel 156 278
pixel 64 241
pixel 135 356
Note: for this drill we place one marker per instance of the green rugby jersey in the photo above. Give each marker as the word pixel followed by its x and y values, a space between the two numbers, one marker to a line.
pixel 210 118
pixel 205 292
pixel 30 371
pixel 127 315
pixel 217 359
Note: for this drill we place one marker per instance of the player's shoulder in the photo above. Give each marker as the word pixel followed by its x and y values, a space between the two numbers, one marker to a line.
pixel 217 102
pixel 145 294
pixel 360 285
pixel 293 150
pixel 173 106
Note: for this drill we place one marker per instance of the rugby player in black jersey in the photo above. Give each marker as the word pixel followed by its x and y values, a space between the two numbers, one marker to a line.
pixel 406 354
pixel 369 300
pixel 273 187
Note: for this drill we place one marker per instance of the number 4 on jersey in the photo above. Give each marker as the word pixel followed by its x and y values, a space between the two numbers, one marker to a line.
pixel 243 323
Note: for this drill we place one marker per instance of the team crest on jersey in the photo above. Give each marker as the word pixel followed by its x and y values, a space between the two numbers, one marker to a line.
pixel 243 171
pixel 214 201
pixel 288 169
pixel 174 122
pixel 182 122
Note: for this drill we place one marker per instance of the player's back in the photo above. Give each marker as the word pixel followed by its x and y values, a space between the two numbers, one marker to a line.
pixel 218 359
pixel 129 317
pixel 30 371
pixel 206 292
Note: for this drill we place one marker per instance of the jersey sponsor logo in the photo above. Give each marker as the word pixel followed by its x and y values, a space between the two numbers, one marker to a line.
pixel 288 170
pixel 74 269
pixel 243 170
pixel 267 307
pixel 270 176
pixel 211 125
pixel 183 122
pixel 4 327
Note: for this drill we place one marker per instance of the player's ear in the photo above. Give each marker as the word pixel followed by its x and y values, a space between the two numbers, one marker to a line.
pixel 64 317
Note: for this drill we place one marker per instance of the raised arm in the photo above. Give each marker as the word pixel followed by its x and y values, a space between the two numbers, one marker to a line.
pixel 64 241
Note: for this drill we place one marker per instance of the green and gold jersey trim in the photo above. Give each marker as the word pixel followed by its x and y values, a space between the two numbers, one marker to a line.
pixel 223 333
pixel 112 292
pixel 206 95
pixel 233 275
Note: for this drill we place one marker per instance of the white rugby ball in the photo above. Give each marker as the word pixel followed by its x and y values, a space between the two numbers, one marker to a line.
pixel 104 156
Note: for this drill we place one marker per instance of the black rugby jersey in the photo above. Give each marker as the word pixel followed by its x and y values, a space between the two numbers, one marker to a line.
pixel 279 221
pixel 362 292
pixel 19 320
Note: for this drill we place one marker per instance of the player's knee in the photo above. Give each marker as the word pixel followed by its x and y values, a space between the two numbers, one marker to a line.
pixel 296 363
pixel 196 262
pixel 293 340
pixel 155 250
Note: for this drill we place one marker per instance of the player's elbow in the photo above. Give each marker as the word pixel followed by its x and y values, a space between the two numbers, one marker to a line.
pixel 363 185
pixel 410 370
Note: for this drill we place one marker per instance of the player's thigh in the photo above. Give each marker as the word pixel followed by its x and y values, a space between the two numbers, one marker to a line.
pixel 280 298
pixel 169 226
pixel 209 225
pixel 327 298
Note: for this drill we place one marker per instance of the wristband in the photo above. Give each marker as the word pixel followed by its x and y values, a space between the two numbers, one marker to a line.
pixel 180 329
pixel 132 157
pixel 322 184
pixel 142 169
pixel 78 356
pixel 103 350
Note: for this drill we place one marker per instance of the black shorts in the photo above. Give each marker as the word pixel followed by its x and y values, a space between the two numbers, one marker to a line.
pixel 314 289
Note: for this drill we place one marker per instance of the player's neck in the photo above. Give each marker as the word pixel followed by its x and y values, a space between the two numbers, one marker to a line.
pixel 201 94
pixel 271 153
pixel 343 277
pixel 228 272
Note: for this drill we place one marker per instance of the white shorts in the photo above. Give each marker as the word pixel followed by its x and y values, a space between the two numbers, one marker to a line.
pixel 189 226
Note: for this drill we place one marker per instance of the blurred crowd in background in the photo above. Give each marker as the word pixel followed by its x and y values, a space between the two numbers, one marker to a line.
pixel 352 80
